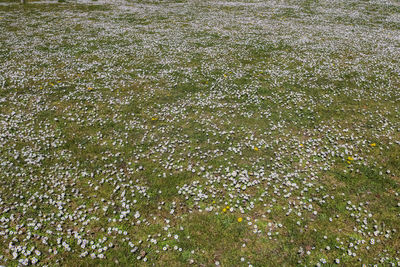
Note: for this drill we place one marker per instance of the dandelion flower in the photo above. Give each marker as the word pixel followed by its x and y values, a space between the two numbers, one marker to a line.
pixel 373 145
pixel 255 148
pixel 240 219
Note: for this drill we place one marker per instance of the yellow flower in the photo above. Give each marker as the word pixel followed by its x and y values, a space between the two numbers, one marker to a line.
pixel 240 219
pixel 255 148
pixel 154 119
pixel 225 75
pixel 227 207
pixel 301 145
pixel 349 158
pixel 51 84
pixel 90 88
pixel 213 201
pixel 224 210
pixel 373 144
pixel 349 162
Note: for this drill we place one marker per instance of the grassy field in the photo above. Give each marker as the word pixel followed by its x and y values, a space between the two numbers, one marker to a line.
pixel 187 132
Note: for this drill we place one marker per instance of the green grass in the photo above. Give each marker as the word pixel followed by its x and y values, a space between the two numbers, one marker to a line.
pixel 177 109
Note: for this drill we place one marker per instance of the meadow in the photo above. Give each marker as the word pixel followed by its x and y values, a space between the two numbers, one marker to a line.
pixel 203 133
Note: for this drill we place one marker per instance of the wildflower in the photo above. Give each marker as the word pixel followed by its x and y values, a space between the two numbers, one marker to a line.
pixel 255 148
pixel 154 119
pixel 240 219
pixel 224 209
pixel 373 145
pixel 90 88
pixel 301 145
pixel 34 260
pixel 349 158
pixel 225 75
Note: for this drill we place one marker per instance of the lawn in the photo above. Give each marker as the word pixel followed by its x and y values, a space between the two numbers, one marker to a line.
pixel 204 133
